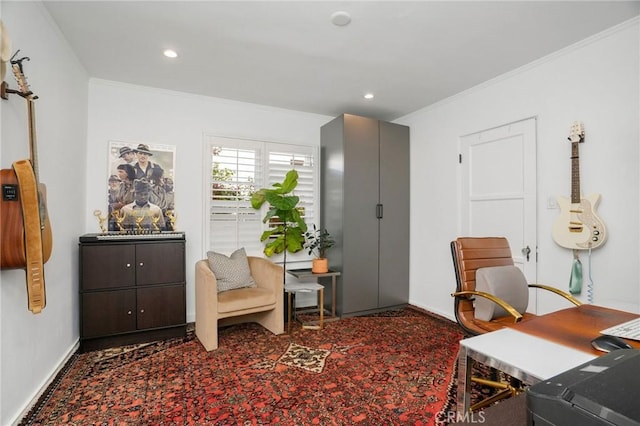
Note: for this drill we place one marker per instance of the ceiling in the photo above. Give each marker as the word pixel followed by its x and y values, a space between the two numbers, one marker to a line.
pixel 290 55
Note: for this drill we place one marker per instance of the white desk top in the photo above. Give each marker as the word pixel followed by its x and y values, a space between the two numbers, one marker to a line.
pixel 509 349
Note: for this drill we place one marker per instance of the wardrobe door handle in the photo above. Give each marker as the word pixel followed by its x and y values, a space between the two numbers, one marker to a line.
pixel 379 211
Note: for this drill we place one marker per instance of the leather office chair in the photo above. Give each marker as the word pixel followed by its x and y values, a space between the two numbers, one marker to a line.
pixel 485 259
pixel 263 304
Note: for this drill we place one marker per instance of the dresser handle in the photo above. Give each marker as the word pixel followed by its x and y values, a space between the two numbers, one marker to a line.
pixel 128 265
pixel 141 263
pixel 129 313
pixel 142 311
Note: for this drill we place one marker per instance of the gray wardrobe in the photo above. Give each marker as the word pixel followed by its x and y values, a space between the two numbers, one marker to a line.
pixel 365 206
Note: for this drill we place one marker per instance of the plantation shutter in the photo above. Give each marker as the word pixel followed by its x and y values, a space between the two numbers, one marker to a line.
pixel 235 169
pixel 239 167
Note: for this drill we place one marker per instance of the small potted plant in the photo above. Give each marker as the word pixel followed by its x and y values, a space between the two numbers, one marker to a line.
pixel 317 242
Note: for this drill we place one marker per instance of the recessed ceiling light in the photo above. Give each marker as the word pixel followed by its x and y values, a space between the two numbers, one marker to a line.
pixel 170 53
pixel 340 18
pixel 368 95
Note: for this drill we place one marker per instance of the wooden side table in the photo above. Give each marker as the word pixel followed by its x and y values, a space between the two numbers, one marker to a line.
pixel 291 289
pixel 306 273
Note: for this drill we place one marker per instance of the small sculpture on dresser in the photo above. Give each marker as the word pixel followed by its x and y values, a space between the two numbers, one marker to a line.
pixel 101 220
pixel 172 219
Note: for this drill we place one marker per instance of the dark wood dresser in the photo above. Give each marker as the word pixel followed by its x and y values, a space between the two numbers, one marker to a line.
pixel 132 289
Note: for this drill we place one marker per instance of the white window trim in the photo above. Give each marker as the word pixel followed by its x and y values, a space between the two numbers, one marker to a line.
pixel 211 140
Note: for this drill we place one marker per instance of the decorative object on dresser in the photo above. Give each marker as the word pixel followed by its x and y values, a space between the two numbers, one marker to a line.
pixel 132 289
pixel 365 203
pixel 101 220
pixel 135 169
pixel 318 242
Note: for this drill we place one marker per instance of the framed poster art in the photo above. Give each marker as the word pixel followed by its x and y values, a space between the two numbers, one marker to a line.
pixel 140 187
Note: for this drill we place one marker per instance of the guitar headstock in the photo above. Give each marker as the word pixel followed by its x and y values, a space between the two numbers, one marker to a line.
pixel 576 134
pixel 16 66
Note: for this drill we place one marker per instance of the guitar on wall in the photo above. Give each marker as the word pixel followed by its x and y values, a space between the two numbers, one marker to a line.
pixel 26 235
pixel 578 227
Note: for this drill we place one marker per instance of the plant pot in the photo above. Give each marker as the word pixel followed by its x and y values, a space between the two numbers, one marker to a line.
pixel 320 265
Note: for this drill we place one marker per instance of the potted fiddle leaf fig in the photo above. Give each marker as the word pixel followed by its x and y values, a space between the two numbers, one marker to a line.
pixel 317 243
pixel 287 229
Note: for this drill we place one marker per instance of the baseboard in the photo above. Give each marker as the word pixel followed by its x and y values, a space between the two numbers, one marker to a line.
pixel 45 384
pixel 446 315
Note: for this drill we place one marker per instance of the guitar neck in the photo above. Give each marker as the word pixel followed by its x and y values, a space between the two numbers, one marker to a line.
pixel 575 173
pixel 33 148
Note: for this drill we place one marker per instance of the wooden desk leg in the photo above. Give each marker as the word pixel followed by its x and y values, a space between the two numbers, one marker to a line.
pixel 333 296
pixel 321 306
pixel 288 312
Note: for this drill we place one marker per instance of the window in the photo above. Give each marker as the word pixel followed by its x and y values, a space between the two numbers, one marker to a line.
pixel 239 167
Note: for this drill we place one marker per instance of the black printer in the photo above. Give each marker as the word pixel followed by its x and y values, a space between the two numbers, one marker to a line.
pixel 604 391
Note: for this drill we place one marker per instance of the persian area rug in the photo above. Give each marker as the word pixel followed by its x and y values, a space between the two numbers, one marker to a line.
pixel 374 370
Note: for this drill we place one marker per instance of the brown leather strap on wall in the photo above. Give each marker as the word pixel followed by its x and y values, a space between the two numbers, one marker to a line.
pixel 32 234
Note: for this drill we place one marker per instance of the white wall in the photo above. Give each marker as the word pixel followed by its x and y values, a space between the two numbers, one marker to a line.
pixel 142 115
pixel 595 81
pixel 33 346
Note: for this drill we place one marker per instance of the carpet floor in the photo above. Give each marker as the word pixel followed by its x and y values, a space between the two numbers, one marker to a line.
pixel 386 369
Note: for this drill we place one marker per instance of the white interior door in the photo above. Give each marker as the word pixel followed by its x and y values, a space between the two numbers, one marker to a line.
pixel 499 190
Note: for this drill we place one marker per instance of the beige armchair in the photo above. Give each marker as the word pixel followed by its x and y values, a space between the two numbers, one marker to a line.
pixel 262 304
